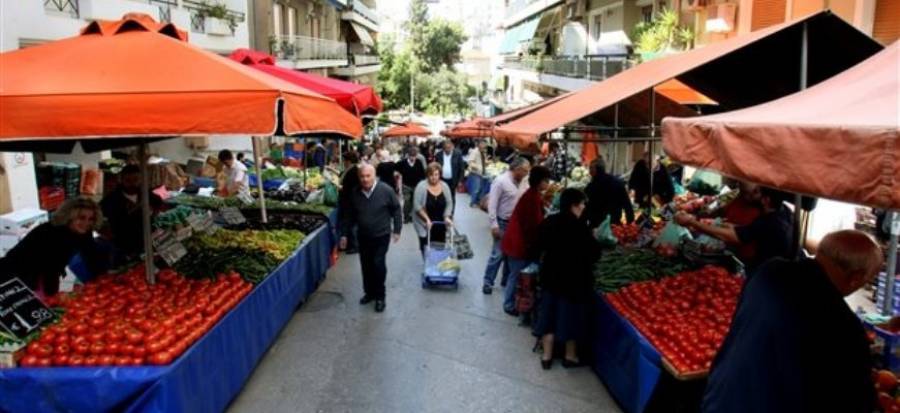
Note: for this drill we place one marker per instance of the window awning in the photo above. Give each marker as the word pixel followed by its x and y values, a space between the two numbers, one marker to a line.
pixel 363 34
pixel 517 34
pixel 736 73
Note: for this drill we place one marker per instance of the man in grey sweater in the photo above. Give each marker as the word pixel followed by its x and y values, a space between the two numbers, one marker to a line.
pixel 375 209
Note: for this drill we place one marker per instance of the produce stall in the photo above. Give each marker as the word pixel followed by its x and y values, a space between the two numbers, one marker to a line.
pixel 219 353
pixel 187 340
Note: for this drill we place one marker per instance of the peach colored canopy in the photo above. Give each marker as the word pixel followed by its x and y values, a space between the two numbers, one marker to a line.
pixel 407 129
pixel 471 128
pixel 479 127
pixel 138 78
pixel 838 139
pixel 736 73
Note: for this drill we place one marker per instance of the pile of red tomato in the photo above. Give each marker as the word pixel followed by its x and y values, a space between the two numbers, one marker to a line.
pixel 685 316
pixel 886 387
pixel 626 233
pixel 120 320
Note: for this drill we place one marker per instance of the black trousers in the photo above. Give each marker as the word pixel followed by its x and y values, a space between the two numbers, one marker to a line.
pixel 373 260
pixel 452 186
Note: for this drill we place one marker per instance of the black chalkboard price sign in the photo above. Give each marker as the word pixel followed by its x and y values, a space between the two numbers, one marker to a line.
pixel 21 312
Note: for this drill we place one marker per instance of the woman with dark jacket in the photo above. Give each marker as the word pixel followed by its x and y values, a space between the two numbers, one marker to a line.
pixel 40 259
pixel 568 252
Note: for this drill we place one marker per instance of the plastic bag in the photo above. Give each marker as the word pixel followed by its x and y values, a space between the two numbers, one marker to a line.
pixel 671 235
pixel 316 197
pixel 604 234
pixel 705 183
pixel 330 196
pixel 679 189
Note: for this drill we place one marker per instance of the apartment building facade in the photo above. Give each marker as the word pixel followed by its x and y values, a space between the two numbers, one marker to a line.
pixel 334 38
pixel 554 46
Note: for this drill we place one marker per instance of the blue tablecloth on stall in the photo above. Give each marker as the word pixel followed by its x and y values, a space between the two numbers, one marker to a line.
pixel 628 364
pixel 205 378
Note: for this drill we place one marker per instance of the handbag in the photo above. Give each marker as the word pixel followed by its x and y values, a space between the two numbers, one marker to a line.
pixel 463 247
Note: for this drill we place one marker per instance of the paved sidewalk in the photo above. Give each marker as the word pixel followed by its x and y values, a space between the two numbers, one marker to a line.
pixel 430 351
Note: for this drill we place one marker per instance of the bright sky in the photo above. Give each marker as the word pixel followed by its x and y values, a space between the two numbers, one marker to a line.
pixel 476 16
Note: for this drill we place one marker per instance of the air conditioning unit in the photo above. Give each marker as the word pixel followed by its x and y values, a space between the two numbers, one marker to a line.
pixel 720 18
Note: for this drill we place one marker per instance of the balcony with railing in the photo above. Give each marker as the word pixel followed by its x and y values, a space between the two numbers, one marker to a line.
pixel 62 7
pixel 306 49
pixel 364 59
pixel 589 67
pixel 361 13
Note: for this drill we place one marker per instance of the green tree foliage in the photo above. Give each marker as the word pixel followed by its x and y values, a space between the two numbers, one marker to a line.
pixel 442 43
pixel 430 51
pixel 444 92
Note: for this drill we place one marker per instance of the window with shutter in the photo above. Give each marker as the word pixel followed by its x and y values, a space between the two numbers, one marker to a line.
pixel 886 28
pixel 767 13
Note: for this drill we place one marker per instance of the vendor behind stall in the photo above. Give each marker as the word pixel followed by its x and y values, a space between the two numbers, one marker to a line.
pixel 122 209
pixel 743 210
pixel 607 197
pixel 772 231
pixel 237 181
pixel 40 259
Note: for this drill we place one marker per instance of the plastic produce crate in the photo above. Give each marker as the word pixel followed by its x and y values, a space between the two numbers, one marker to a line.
pixel 887 344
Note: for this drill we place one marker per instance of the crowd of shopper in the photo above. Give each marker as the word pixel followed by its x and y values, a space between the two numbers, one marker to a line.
pixel 788 307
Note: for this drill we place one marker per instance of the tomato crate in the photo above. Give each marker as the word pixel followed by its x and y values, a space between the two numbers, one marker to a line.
pixel 681 375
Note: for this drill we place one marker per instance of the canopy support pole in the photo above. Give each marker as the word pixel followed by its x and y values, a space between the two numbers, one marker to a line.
pixel 257 160
pixel 306 161
pixel 615 148
pixel 650 147
pixel 888 306
pixel 798 199
pixel 565 157
pixel 149 270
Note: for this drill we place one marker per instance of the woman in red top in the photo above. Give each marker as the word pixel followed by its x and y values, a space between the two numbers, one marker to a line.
pixel 745 209
pixel 521 233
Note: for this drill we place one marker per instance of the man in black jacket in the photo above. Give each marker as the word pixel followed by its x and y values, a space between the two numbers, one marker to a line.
pixel 794 344
pixel 412 171
pixel 375 209
pixel 349 182
pixel 607 197
pixel 452 167
pixel 122 209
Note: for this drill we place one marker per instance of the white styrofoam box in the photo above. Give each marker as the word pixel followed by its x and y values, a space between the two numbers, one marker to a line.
pixel 22 221
pixel 7 242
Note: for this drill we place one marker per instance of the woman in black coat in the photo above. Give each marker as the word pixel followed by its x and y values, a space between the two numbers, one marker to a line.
pixel 568 253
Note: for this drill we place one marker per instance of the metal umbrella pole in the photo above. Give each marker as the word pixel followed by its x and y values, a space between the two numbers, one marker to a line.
pixel 888 306
pixel 798 199
pixel 150 271
pixel 257 160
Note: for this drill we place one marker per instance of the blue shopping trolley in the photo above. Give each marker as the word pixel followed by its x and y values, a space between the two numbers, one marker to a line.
pixel 435 254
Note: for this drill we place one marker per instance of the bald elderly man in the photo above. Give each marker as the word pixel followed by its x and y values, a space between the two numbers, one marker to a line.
pixel 375 209
pixel 794 344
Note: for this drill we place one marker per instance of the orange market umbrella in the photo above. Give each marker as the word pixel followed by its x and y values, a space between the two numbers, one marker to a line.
pixel 137 78
pixel 407 129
